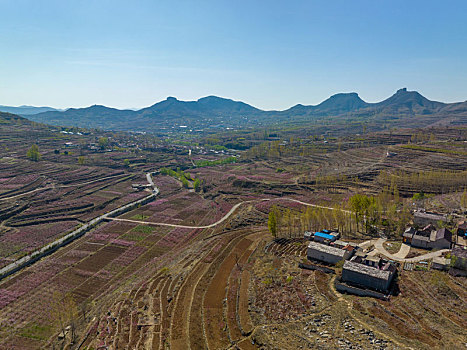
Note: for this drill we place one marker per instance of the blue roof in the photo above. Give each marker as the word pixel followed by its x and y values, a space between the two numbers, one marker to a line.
pixel 325 231
pixel 325 235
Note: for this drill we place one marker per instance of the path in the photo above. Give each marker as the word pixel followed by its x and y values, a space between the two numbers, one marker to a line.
pixel 403 251
pixel 397 257
pixel 225 217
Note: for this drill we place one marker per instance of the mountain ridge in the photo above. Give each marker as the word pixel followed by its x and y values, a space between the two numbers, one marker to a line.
pixel 222 112
pixel 26 110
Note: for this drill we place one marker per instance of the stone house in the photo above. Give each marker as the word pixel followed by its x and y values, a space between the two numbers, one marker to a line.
pixel 428 237
pixel 378 277
pixel 328 254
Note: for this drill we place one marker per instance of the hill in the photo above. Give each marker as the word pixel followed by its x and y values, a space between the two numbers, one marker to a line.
pixel 403 109
pixel 12 119
pixel 26 110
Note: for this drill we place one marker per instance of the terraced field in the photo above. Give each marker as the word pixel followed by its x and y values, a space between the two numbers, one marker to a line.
pixel 41 201
pixel 230 286
pixel 241 290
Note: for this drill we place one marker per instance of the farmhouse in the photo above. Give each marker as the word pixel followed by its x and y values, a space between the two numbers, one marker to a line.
pixel 428 237
pixel 369 274
pixel 441 239
pixel 408 234
pixel 308 236
pixel 422 218
pixel 324 237
pixel 328 254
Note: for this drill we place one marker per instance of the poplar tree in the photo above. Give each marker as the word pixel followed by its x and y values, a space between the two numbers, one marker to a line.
pixel 272 223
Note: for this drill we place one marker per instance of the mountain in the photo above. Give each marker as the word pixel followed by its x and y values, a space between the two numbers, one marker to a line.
pixel 334 105
pixel 409 102
pixel 166 114
pixel 26 110
pixel 206 106
pixel 211 113
pixel 96 116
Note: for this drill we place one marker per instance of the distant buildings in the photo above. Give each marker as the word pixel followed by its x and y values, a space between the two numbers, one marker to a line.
pixel 428 237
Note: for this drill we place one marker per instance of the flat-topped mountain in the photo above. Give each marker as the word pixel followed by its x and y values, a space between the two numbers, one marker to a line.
pixel 410 101
pixel 334 105
pixel 406 108
pixel 206 106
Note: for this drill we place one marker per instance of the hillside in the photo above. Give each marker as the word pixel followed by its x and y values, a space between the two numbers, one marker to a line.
pixel 403 109
pixel 12 119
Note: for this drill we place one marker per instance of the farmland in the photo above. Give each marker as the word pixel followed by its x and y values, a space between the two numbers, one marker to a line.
pixel 141 283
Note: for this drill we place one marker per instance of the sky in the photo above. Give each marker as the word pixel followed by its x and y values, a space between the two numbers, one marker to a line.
pixel 271 54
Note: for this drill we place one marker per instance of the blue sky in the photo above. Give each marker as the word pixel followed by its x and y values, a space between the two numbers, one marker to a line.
pixel 272 54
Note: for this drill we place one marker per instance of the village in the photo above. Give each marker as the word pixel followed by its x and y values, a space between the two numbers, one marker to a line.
pixel 368 269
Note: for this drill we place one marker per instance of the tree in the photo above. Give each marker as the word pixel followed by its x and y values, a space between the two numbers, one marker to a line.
pixel 272 223
pixel 103 142
pixel 185 182
pixel 126 163
pixel 356 206
pixel 64 311
pixel 81 160
pixel 197 185
pixel 33 153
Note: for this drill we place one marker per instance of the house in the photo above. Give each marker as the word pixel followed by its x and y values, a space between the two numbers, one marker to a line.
pixel 428 237
pixel 308 236
pixel 423 218
pixel 441 239
pixel 328 254
pixel 408 234
pixel 378 277
pixel 419 240
pixel 342 244
pixel 459 254
pixel 440 263
pixel 334 233
pixel 324 237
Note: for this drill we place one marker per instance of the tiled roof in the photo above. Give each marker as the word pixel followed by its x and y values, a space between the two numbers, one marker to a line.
pixel 326 249
pixel 367 270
